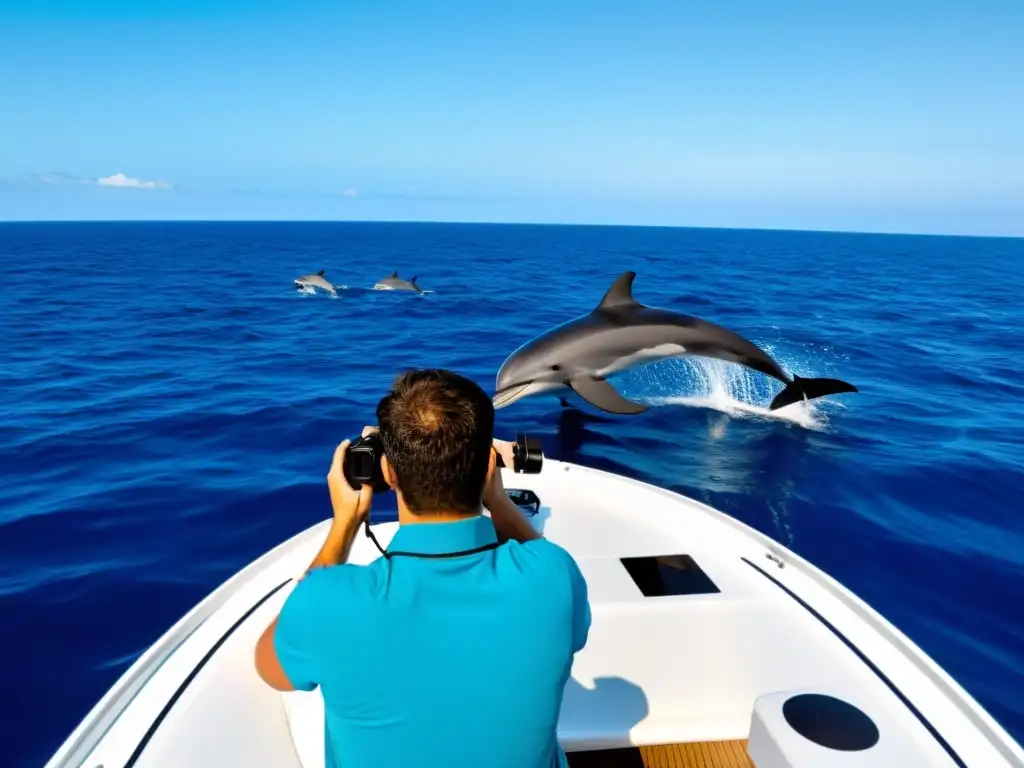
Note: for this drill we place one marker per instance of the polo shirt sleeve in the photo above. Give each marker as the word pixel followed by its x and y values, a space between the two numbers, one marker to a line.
pixel 559 561
pixel 580 599
pixel 295 638
pixel 580 606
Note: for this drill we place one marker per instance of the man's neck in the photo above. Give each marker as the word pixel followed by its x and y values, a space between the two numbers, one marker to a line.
pixel 408 517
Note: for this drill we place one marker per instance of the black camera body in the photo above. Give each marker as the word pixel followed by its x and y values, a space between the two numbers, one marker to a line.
pixel 362 460
pixel 527 456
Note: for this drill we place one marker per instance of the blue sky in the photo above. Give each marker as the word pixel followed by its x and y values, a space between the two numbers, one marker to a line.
pixel 885 116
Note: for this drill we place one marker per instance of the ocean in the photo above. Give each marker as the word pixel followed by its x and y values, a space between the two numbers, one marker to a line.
pixel 169 405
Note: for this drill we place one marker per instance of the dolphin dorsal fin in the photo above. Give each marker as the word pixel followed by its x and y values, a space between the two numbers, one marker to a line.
pixel 321 273
pixel 394 273
pixel 620 294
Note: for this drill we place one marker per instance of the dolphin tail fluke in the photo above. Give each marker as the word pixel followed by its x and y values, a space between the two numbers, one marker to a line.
pixel 809 389
pixel 600 394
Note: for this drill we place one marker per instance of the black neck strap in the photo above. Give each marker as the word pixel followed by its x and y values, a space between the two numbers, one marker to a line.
pixel 429 555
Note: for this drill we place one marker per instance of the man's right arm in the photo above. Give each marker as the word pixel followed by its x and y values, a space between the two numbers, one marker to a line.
pixel 562 565
pixel 580 606
pixel 509 521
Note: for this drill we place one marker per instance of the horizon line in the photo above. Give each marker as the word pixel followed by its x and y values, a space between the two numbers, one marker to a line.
pixel 516 224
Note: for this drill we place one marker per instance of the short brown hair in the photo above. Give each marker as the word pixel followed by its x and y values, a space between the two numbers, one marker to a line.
pixel 436 428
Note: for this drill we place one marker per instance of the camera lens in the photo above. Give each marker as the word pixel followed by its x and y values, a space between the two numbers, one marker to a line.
pixel 362 467
pixel 362 464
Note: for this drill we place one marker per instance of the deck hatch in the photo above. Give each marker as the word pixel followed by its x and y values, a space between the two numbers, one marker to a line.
pixel 665 575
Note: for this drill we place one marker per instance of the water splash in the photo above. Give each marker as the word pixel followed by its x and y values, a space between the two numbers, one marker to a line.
pixel 733 389
pixel 310 290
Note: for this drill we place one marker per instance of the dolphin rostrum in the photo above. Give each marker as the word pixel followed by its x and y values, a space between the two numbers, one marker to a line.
pixel 622 333
pixel 394 283
pixel 316 281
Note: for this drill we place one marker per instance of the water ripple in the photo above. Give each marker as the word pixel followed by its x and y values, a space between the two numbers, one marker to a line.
pixel 169 414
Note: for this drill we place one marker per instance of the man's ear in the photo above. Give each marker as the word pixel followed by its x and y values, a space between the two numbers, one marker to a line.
pixel 492 464
pixel 388 472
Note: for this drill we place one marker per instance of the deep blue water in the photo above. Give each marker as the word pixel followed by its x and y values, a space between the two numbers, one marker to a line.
pixel 169 405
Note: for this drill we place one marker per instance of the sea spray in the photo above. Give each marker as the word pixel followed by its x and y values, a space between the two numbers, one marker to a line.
pixel 703 382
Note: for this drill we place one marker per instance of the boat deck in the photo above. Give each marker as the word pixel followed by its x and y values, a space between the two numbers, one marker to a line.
pixel 706 754
pixel 703 633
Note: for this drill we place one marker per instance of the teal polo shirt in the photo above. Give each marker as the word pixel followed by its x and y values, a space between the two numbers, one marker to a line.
pixel 456 662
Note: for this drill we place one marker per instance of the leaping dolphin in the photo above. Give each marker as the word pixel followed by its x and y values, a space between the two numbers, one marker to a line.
pixel 621 333
pixel 394 283
pixel 316 281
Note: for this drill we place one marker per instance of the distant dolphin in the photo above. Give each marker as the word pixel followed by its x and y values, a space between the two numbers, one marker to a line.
pixel 620 334
pixel 316 281
pixel 395 283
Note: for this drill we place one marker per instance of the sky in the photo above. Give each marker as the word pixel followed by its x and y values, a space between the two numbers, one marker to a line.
pixel 896 116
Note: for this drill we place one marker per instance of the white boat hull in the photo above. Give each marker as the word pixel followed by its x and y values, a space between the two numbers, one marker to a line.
pixel 656 670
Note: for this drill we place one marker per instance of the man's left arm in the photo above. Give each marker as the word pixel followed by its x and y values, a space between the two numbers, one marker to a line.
pixel 285 657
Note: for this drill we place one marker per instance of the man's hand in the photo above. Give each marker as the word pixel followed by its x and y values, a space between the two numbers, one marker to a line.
pixel 351 509
pixel 348 504
pixel 506 450
pixel 494 491
pixel 508 519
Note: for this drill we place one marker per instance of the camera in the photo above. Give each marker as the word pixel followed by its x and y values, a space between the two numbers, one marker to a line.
pixel 527 456
pixel 362 460
pixel 362 463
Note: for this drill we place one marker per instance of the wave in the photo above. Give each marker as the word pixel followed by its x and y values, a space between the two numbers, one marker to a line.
pixel 156 441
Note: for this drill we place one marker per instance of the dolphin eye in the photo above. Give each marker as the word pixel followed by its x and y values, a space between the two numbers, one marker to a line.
pixel 556 367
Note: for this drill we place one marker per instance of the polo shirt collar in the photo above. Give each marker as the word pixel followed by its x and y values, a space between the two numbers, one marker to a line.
pixel 443 538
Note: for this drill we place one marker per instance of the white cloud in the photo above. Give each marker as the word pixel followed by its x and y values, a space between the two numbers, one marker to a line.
pixel 120 180
pixel 114 180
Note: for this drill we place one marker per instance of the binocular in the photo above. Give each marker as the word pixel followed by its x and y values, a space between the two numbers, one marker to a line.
pixel 362 460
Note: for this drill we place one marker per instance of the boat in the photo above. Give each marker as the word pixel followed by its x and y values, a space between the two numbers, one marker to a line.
pixel 711 645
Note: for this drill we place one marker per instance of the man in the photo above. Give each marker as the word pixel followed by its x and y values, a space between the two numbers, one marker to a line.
pixel 452 651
